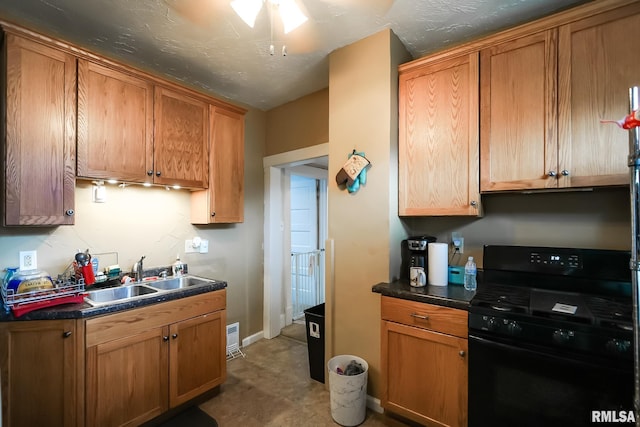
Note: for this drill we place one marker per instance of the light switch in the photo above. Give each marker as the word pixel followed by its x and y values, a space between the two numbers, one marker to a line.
pixel 204 246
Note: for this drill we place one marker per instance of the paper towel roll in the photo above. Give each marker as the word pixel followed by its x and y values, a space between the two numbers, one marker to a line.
pixel 438 264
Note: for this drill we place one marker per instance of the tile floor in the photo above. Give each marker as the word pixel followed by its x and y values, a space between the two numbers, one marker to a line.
pixel 271 387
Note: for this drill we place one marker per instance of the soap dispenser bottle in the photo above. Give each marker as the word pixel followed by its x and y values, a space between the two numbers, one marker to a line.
pixel 177 266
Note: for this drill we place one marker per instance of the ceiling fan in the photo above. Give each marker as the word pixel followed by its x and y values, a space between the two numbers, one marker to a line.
pixel 302 33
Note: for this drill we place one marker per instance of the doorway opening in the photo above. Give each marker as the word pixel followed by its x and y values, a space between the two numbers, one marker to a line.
pixel 280 267
pixel 307 207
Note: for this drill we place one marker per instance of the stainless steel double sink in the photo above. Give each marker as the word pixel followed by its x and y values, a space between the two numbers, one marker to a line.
pixel 100 297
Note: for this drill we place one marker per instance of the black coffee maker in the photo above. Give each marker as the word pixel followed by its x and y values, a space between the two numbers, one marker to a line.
pixel 414 254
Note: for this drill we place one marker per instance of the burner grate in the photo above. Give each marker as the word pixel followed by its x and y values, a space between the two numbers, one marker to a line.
pixel 611 312
pixel 503 298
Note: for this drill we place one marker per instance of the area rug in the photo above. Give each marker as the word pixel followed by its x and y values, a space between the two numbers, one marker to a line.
pixel 192 417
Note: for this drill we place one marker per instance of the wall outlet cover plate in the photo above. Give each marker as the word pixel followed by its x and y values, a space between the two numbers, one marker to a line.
pixel 28 260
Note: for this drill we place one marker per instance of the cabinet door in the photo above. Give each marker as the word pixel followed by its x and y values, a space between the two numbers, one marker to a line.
pixel 181 132
pixel 40 134
pixel 425 375
pixel 518 114
pixel 127 381
pixel 598 62
pixel 39 367
pixel 438 139
pixel 198 356
pixel 115 124
pixel 223 202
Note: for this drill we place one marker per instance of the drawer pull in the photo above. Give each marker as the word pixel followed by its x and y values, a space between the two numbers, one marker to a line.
pixel 462 353
pixel 419 316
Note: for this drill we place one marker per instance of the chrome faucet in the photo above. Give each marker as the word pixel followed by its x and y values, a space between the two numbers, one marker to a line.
pixel 138 269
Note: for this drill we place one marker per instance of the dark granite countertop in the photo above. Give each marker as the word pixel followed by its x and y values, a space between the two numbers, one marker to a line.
pixel 84 310
pixel 454 296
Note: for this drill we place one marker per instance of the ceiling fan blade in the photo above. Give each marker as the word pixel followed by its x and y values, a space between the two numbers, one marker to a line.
pixel 199 12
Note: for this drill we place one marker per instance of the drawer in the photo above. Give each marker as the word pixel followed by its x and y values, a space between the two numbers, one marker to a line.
pixel 130 322
pixel 426 316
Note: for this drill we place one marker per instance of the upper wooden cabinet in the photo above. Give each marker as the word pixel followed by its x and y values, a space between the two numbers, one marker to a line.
pixel 39 134
pixel 115 124
pixel 597 64
pixel 542 99
pixel 518 114
pixel 438 138
pixel 223 202
pixel 181 139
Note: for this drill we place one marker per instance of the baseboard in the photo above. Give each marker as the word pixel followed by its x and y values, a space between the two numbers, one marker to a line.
pixel 373 403
pixel 252 338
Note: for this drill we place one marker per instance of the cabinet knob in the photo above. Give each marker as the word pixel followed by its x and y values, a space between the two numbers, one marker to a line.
pixel 174 336
pixel 213 214
pixel 474 203
pixel 551 173
pixel 66 334
pixel 150 172
pixel 165 338
pixel 158 173
pixel 565 172
pixel 69 212
pixel 461 353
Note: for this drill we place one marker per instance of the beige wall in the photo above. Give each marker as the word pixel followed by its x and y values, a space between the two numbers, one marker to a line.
pixel 362 91
pixel 298 124
pixel 138 221
pixel 589 219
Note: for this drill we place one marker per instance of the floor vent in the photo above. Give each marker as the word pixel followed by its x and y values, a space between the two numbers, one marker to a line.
pixel 233 341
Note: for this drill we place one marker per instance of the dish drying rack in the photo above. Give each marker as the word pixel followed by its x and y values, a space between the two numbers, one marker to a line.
pixel 65 290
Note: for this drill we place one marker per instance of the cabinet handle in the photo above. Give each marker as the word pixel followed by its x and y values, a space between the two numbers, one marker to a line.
pixel 150 172
pixel 474 203
pixel 419 316
pixel 551 173
pixel 66 334
pixel 174 336
pixel 462 353
pixel 158 173
pixel 165 338
pixel 565 172
pixel 69 212
pixel 213 214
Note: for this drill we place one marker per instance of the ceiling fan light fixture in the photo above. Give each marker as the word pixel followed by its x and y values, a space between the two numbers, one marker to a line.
pixel 247 10
pixel 292 16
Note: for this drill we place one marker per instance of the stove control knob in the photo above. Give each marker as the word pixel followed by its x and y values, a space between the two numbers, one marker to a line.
pixel 514 328
pixel 491 323
pixel 562 336
pixel 617 346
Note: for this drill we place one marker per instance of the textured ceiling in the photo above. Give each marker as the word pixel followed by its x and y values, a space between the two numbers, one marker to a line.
pixel 205 45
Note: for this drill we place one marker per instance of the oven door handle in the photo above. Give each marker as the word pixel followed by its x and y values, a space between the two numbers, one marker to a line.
pixel 542 353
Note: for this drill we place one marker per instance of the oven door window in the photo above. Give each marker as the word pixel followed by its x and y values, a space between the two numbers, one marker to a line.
pixel 515 386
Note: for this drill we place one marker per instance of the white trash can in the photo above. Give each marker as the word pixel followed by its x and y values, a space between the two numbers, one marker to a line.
pixel 348 392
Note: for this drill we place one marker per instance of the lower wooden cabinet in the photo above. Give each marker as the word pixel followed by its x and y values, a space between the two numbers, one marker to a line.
pixel 142 362
pixel 40 372
pixel 424 362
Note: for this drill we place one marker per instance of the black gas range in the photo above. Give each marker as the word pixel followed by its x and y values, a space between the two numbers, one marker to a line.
pixel 550 336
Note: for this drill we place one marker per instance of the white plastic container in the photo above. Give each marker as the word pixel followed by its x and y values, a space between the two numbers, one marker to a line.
pixel 348 392
pixel 177 267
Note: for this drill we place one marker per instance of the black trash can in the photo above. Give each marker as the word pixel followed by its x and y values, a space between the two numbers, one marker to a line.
pixel 314 319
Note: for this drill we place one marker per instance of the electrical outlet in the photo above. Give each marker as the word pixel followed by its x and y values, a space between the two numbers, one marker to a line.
pixel 457 242
pixel 189 248
pixel 204 246
pixel 28 260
